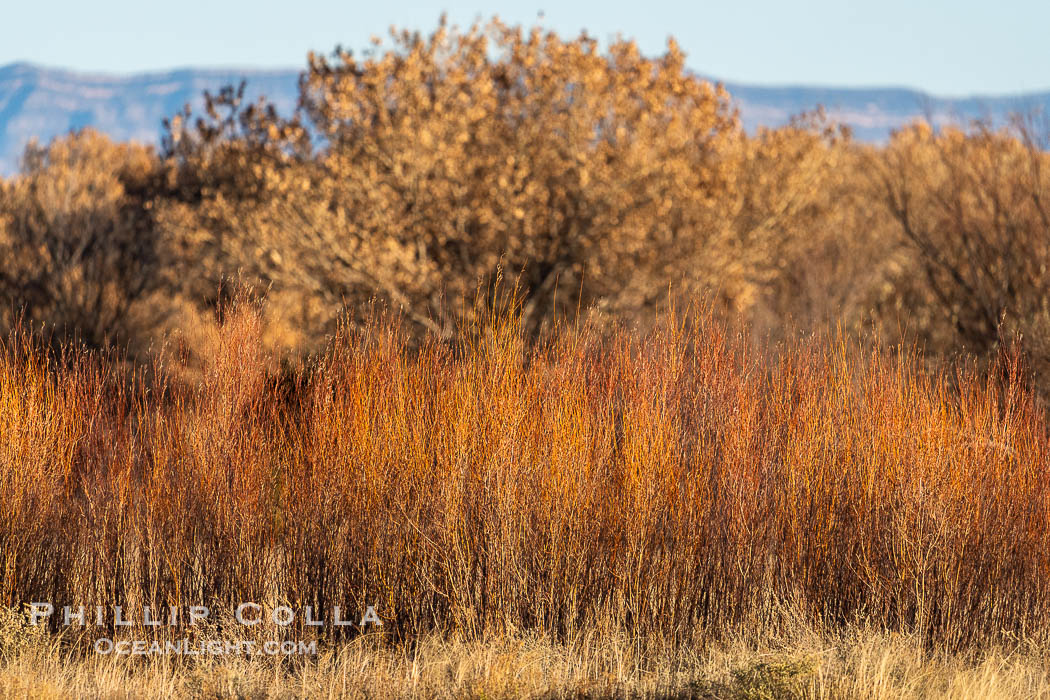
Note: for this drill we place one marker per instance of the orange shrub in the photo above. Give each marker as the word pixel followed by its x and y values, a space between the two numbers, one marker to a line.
pixel 665 484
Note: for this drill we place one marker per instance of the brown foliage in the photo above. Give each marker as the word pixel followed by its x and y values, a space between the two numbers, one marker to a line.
pixel 77 239
pixel 423 173
pixel 975 210
pixel 446 159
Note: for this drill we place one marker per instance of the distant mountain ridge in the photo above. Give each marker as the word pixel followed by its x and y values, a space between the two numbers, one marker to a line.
pixel 873 112
pixel 42 103
pixel 38 102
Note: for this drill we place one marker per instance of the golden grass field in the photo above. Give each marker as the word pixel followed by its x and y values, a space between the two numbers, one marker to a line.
pixel 802 664
pixel 592 514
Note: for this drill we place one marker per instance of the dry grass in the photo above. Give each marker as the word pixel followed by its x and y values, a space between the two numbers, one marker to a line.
pixel 851 663
pixel 534 519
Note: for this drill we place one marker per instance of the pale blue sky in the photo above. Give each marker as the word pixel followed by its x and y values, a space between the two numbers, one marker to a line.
pixel 949 47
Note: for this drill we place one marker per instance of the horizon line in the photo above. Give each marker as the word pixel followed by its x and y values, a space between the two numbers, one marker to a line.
pixel 259 69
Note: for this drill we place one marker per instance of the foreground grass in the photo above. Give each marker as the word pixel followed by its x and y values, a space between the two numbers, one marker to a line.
pixel 849 663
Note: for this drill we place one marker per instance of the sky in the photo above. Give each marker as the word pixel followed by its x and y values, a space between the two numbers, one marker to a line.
pixel 949 48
